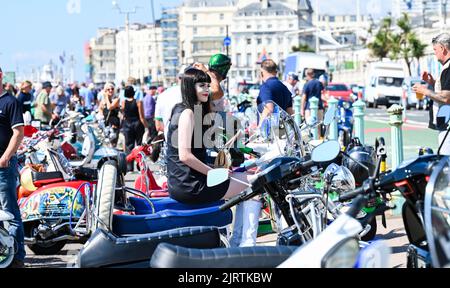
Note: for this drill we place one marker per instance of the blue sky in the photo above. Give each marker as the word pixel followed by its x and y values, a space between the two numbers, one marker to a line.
pixel 36 31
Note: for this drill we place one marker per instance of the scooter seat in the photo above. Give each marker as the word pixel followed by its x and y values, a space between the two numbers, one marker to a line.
pixel 170 256
pixel 106 250
pixel 180 215
pixel 44 178
pixel 142 207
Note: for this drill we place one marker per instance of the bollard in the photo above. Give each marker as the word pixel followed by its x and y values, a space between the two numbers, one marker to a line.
pixel 358 114
pixel 333 132
pixel 314 109
pixel 297 110
pixel 396 122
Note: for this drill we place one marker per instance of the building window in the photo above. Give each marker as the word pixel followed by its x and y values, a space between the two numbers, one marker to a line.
pixel 195 30
pixel 269 41
pixel 249 59
pixel 259 27
pixel 259 41
pixel 332 19
pixel 222 16
pixel 353 18
pixel 291 25
pixel 249 41
pixel 269 26
pixel 194 17
pixel 238 59
pixel 222 30
pixel 249 26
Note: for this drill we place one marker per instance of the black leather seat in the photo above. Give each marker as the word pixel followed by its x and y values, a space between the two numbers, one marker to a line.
pixel 170 256
pixel 47 177
pixel 135 251
pixel 86 174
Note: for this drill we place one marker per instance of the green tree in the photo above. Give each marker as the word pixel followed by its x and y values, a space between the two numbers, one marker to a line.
pixel 302 48
pixel 381 45
pixel 401 45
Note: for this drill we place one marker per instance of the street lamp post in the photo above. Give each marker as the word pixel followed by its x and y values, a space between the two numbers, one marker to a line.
pixel 127 29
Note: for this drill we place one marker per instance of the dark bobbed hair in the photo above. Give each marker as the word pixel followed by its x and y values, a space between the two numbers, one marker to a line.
pixel 129 92
pixel 188 80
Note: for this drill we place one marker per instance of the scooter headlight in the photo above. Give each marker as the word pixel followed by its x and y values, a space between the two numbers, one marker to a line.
pixel 343 255
pixel 343 180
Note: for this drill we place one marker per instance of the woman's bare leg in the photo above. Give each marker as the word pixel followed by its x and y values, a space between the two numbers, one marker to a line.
pixel 237 187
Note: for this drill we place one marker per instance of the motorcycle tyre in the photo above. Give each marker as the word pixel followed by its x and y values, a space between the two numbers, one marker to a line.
pixel 372 232
pixel 53 249
pixel 6 262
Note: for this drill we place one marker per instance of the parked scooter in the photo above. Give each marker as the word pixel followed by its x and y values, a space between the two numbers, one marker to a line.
pixel 411 179
pixel 345 122
pixel 336 247
pixel 437 214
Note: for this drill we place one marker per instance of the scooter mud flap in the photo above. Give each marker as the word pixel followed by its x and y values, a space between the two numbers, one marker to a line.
pixel 171 256
pixel 106 250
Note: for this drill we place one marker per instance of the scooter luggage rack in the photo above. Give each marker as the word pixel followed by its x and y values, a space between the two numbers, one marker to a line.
pixel 78 230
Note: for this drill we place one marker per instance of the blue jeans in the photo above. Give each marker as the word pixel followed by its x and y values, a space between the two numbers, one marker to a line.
pixel 8 202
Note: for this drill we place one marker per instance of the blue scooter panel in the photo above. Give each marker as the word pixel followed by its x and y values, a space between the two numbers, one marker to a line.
pixel 170 214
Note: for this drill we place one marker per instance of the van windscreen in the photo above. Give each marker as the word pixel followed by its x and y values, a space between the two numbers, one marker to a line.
pixel 390 81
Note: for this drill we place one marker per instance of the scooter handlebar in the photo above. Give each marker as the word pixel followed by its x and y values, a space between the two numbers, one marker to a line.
pixel 243 196
pixel 352 194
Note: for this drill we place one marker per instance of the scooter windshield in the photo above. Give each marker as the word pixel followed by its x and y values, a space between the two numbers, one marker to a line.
pixel 437 214
pixel 276 126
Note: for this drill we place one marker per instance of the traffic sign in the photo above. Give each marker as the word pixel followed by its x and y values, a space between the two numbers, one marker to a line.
pixel 227 41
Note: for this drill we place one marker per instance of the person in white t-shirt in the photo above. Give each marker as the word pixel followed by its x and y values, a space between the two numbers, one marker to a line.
pixel 164 106
pixel 292 83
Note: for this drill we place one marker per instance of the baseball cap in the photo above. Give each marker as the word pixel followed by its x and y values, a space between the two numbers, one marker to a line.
pixel 293 76
pixel 47 84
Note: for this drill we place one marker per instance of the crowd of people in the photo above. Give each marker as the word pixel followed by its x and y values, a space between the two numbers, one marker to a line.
pixel 146 111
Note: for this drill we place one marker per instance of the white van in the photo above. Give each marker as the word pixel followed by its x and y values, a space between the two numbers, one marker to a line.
pixel 299 62
pixel 384 84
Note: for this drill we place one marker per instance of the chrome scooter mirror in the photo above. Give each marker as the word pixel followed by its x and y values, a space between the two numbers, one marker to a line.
pixel 326 152
pixel 329 116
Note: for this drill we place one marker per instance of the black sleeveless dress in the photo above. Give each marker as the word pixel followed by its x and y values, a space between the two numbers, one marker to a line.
pixel 185 184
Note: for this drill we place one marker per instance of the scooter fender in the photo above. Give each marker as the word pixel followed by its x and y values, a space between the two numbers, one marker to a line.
pixel 54 201
pixel 311 254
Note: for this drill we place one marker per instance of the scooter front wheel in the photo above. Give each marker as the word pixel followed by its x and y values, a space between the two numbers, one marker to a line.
pixel 372 232
pixel 6 253
pixel 47 248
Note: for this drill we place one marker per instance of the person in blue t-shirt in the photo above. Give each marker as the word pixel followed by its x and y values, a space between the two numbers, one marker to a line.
pixel 273 89
pixel 313 88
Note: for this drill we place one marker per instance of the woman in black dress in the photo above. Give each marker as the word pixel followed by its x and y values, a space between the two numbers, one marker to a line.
pixel 134 123
pixel 186 151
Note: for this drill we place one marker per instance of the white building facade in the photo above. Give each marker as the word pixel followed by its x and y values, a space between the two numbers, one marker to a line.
pixel 103 56
pixel 145 56
pixel 203 28
pixel 260 31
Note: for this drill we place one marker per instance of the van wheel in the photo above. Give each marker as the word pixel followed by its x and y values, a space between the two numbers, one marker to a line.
pixel 370 105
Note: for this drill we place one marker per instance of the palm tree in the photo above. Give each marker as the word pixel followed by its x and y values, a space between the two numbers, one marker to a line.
pixel 381 45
